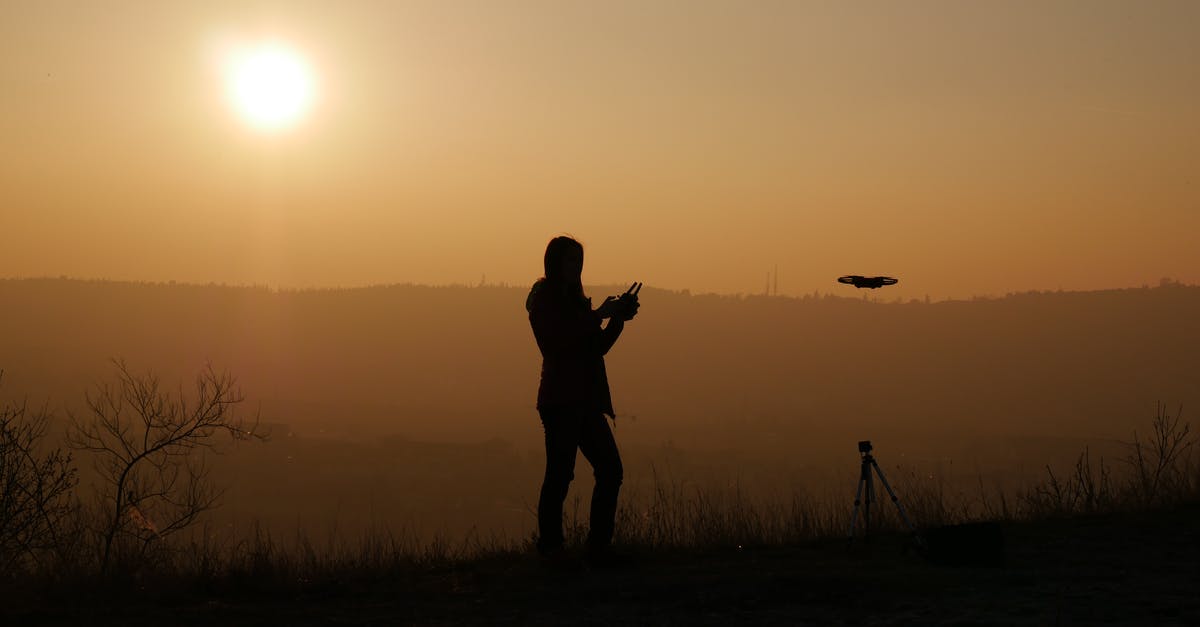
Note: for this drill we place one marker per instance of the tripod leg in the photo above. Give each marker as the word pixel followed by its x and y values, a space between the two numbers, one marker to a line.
pixel 867 504
pixel 854 512
pixel 895 499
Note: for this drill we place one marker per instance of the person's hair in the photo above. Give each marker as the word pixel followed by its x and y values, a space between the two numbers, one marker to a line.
pixel 556 251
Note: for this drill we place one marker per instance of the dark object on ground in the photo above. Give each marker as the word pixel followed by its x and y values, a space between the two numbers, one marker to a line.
pixel 971 544
pixel 871 282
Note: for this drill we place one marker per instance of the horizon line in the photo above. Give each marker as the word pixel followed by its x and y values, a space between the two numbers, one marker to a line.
pixel 871 296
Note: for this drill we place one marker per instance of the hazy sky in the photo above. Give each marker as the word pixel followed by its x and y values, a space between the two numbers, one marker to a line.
pixel 965 147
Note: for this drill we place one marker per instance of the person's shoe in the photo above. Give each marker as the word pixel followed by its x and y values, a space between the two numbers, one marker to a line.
pixel 606 557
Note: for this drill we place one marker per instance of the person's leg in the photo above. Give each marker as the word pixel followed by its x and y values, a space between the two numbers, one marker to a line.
pixel 600 448
pixel 562 429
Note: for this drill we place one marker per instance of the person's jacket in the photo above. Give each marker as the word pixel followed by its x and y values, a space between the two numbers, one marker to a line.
pixel 573 346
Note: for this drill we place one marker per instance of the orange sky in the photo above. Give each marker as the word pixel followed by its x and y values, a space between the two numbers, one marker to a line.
pixel 967 148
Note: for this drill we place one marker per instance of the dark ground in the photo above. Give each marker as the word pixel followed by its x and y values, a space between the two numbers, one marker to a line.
pixel 1127 569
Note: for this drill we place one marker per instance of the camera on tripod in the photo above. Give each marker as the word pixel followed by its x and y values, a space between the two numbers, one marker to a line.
pixel 866 487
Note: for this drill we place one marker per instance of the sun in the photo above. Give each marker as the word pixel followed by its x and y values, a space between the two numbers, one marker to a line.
pixel 269 85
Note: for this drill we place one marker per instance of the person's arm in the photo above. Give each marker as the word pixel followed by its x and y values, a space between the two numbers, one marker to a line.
pixel 618 310
pixel 610 333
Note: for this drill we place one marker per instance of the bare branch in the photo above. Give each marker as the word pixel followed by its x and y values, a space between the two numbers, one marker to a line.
pixel 152 445
pixel 35 488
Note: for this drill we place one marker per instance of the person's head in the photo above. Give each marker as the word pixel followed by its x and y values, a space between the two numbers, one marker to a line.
pixel 564 260
pixel 564 267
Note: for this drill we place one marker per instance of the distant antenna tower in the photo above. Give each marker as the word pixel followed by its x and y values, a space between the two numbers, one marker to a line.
pixel 773 282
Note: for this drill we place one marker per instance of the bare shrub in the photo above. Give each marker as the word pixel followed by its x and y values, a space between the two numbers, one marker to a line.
pixel 150 450
pixel 1159 470
pixel 1085 489
pixel 1159 463
pixel 35 489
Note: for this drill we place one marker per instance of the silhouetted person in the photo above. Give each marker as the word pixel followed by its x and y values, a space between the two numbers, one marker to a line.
pixel 573 397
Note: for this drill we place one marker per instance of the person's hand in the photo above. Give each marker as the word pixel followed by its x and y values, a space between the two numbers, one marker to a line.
pixel 626 307
pixel 628 303
pixel 608 308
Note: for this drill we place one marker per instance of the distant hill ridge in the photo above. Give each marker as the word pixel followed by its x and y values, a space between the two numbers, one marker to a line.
pixel 875 297
pixel 459 361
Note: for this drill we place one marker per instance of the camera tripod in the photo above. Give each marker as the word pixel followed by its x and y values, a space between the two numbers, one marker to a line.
pixel 867 482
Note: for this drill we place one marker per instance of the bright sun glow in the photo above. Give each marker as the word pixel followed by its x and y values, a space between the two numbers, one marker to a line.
pixel 269 85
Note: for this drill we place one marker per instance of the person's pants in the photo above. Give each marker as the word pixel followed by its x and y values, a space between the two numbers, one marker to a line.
pixel 569 429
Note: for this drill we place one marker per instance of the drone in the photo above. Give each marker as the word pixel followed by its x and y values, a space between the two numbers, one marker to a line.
pixel 871 282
